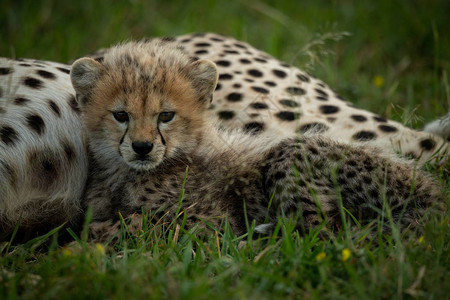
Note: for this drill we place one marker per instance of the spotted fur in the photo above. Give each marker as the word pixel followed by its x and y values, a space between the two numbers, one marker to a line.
pixel 224 174
pixel 256 92
pixel 43 162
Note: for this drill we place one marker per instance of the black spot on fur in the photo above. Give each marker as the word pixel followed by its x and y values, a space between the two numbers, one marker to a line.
pixel 314 126
pixel 322 98
pixel 293 90
pixel 255 73
pixel 149 190
pixel 69 151
pixel 218 87
pixel 288 103
pixel 237 85
pixel 64 70
pixel 225 77
pixel 54 107
pixel 253 127
pixel 328 109
pixel 279 175
pixel 249 80
pixel 33 82
pixel 184 41
pixel 143 199
pixel 223 63
pixel 321 92
pixel 261 60
pixel 364 135
pixel 244 61
pixel 358 118
pixel 287 115
pixel 202 45
pixel 258 105
pixel 427 144
pixel 201 52
pixel 215 39
pixel 74 104
pixel 5 71
pixel 240 46
pixel 46 74
pixel 36 123
pixel 313 150
pixel 8 135
pixel 279 73
pixel 387 128
pixel 350 174
pixel 226 114
pixel 379 119
pixel 234 97
pixel 270 83
pixel 231 52
pixel 303 78
pixel 20 101
pixel 260 90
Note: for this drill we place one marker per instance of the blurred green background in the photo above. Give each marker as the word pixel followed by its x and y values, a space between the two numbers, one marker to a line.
pixel 388 56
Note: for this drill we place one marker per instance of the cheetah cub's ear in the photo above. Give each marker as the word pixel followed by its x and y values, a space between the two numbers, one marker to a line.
pixel 204 76
pixel 84 74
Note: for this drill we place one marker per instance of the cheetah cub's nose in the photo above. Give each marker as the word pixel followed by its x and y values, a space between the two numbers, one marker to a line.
pixel 142 148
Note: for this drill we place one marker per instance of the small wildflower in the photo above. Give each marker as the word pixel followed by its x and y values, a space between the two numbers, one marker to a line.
pixel 66 252
pixel 321 256
pixel 100 249
pixel 421 239
pixel 378 81
pixel 345 254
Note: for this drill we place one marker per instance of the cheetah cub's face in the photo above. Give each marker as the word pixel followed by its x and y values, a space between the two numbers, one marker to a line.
pixel 144 103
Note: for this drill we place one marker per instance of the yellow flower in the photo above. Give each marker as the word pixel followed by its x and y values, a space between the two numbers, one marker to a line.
pixel 321 256
pixel 345 254
pixel 421 239
pixel 66 252
pixel 100 249
pixel 378 81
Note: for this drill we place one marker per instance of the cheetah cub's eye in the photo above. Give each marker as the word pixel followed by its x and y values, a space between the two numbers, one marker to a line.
pixel 166 116
pixel 121 116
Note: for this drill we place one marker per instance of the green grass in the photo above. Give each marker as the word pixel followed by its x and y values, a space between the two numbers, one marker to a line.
pixel 345 43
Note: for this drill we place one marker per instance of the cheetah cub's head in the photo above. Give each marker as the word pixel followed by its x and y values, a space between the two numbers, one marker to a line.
pixel 145 102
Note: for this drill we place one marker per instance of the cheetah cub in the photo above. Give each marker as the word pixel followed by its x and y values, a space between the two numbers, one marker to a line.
pixel 144 106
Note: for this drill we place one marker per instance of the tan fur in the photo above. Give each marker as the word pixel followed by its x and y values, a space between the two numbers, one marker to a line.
pixel 225 171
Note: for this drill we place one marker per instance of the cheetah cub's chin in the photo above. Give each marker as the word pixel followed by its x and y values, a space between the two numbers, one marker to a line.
pixel 142 109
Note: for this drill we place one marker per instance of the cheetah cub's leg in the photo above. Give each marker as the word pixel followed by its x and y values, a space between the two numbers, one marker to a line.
pixel 308 177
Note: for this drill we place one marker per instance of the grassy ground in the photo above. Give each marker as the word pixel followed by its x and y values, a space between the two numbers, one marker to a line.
pixel 388 56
